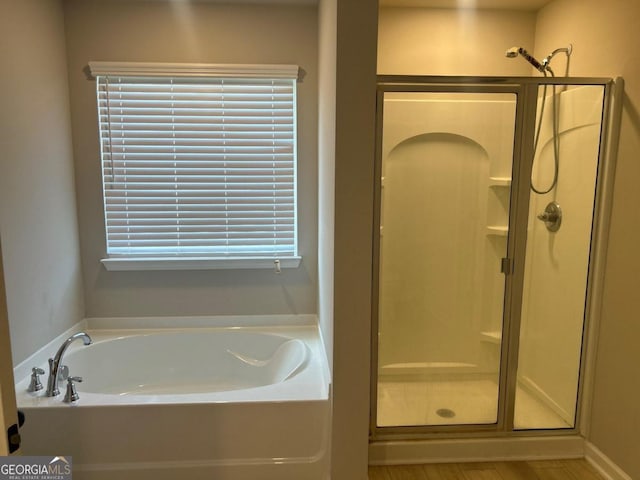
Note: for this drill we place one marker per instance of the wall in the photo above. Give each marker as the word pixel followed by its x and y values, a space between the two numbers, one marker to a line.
pixel 356 31
pixel 37 202
pixel 603 35
pixel 326 167
pixel 442 149
pixel 191 32
pixel 8 410
pixel 425 41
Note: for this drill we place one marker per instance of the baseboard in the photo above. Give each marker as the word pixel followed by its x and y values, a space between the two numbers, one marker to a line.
pixel 476 449
pixel 238 469
pixel 603 464
pixel 268 472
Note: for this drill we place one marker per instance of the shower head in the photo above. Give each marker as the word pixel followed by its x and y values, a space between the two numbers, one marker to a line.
pixel 513 52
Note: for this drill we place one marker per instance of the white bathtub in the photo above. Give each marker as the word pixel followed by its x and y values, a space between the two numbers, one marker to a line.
pixel 207 402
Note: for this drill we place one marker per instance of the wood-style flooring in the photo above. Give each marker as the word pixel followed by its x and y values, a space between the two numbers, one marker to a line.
pixel 577 469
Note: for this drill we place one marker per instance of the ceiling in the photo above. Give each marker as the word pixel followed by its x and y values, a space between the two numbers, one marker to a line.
pixel 524 5
pixel 530 5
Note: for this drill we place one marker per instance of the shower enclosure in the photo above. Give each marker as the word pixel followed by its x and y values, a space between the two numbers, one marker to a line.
pixel 481 285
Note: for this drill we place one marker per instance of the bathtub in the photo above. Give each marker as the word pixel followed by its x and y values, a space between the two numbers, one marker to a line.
pixel 206 400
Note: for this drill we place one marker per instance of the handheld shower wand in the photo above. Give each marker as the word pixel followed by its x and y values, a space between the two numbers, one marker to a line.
pixel 513 52
pixel 545 68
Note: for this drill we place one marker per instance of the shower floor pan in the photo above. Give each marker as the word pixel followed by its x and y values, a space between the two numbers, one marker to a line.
pixel 455 402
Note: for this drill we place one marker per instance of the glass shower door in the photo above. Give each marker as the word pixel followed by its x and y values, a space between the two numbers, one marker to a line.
pixel 556 269
pixel 444 196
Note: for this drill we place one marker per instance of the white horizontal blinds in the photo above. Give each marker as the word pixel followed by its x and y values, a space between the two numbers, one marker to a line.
pixel 198 166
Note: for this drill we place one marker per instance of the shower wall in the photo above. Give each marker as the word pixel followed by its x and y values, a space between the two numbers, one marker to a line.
pixel 557 263
pixel 445 184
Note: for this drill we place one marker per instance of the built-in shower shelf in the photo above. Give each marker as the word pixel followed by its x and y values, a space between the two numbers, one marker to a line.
pixel 499 181
pixel 493 336
pixel 497 230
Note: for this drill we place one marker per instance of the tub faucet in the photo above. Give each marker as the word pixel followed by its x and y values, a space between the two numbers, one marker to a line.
pixel 54 363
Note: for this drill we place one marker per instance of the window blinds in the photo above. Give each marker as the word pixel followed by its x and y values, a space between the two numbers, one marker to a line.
pixel 198 166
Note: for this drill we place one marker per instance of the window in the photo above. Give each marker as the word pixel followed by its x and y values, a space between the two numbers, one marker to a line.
pixel 198 165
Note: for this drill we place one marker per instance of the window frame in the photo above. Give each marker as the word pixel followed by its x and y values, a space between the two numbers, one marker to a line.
pixel 176 261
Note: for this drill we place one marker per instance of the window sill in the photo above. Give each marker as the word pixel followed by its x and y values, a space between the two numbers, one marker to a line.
pixel 197 263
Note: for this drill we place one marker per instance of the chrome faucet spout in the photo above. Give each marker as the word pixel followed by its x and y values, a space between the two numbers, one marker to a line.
pixel 56 361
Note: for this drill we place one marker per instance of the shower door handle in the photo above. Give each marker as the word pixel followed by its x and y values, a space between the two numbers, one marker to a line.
pixel 505 266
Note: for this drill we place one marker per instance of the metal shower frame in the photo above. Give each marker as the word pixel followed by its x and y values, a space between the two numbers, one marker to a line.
pixel 526 91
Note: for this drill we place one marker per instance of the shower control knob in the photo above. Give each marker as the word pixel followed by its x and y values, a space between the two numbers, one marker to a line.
pixel 548 217
pixel 552 216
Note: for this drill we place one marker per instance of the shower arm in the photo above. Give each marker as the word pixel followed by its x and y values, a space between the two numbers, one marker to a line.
pixel 547 60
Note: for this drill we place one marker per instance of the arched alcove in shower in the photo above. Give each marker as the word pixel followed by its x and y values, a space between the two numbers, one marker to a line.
pixel 479 309
pixel 435 175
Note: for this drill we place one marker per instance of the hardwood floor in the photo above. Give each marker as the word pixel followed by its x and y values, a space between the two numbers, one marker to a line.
pixel 577 469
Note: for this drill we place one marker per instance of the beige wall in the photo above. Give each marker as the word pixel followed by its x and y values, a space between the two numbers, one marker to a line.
pixel 37 201
pixel 326 167
pixel 426 41
pixel 191 32
pixel 8 413
pixel 355 139
pixel 605 36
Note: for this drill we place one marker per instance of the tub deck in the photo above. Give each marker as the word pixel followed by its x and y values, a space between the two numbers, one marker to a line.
pixel 277 431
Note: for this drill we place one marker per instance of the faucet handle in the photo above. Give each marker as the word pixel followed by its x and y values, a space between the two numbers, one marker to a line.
pixel 35 384
pixel 72 394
